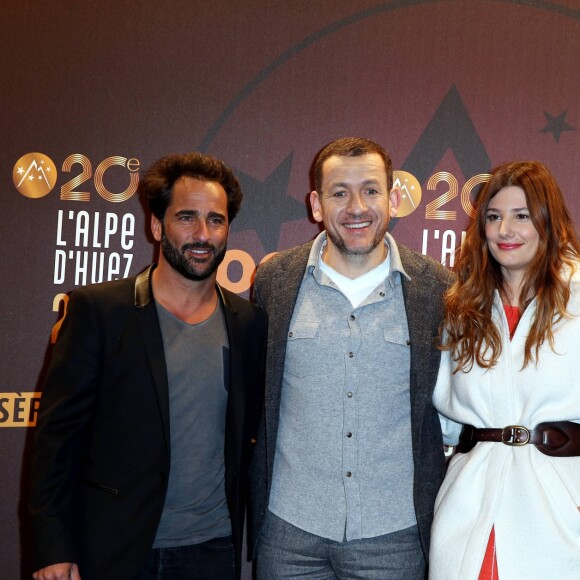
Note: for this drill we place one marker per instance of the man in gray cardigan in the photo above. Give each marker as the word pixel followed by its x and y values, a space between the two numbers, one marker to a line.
pixel 349 456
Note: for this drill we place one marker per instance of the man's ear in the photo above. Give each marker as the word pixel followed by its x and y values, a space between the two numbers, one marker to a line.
pixel 394 201
pixel 156 228
pixel 316 206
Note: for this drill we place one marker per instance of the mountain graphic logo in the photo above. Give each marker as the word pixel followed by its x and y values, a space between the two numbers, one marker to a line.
pixel 34 175
pixel 410 189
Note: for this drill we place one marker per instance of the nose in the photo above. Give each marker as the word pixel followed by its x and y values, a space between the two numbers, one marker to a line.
pixel 505 229
pixel 357 204
pixel 201 231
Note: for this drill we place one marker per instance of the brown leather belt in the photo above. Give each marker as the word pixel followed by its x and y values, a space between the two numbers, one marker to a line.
pixel 555 438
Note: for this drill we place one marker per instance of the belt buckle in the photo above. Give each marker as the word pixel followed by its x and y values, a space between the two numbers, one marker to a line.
pixel 515 435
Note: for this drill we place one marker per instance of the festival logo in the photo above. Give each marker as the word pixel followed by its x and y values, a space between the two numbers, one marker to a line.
pixel 34 175
pixel 410 192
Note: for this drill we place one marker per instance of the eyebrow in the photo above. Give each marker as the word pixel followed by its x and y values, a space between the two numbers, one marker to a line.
pixel 216 214
pixel 195 213
pixel 525 208
pixel 365 182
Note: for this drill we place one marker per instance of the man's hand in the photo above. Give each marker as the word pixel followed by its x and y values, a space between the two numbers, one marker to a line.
pixel 64 571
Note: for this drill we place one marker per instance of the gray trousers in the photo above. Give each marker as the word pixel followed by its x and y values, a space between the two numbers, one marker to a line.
pixel 285 551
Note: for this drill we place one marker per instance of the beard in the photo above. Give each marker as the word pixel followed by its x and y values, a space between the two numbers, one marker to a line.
pixel 347 250
pixel 188 266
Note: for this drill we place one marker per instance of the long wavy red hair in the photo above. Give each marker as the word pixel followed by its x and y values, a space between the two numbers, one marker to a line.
pixel 470 332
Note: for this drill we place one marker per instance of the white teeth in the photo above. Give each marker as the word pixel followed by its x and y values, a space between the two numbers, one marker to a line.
pixel 357 226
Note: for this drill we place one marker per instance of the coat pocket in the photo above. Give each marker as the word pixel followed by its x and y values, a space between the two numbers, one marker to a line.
pixel 561 483
pixel 100 487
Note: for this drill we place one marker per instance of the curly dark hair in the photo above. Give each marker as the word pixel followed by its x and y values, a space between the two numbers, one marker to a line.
pixel 157 184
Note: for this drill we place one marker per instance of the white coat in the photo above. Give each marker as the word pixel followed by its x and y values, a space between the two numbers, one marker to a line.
pixel 532 499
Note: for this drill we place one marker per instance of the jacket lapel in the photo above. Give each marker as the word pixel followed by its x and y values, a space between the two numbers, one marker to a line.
pixel 416 293
pixel 279 304
pixel 148 322
pixel 236 396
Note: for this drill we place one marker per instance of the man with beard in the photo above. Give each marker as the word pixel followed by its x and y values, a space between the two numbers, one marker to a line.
pixel 349 456
pixel 151 402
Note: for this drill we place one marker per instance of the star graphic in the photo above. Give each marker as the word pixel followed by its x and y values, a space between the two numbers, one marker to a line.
pixel 557 125
pixel 20 170
pixel 268 204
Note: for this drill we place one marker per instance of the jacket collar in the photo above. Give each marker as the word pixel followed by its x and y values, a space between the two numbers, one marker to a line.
pixel 144 291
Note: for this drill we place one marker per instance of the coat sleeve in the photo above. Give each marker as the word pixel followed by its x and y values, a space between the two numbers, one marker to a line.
pixel 67 402
pixel 451 430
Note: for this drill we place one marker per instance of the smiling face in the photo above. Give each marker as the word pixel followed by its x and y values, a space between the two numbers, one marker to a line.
pixel 511 236
pixel 194 231
pixel 355 207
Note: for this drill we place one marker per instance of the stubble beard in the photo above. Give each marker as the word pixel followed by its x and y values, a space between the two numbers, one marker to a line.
pixel 345 250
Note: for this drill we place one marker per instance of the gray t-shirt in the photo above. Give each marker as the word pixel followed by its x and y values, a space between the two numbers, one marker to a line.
pixel 197 366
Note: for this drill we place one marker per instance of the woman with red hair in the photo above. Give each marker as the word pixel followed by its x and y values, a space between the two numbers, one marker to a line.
pixel 510 376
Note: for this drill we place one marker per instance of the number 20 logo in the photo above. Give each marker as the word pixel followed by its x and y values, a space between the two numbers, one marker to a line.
pixel 34 176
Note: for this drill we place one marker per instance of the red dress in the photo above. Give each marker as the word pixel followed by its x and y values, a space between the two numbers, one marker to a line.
pixel 489 565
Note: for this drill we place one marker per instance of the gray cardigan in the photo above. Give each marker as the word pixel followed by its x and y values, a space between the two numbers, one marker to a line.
pixel 276 288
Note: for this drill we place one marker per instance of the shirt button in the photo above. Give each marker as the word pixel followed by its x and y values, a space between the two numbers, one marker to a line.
pixel 349 473
pixel 349 395
pixel 352 316
pixel 350 354
pixel 382 294
pixel 349 434
pixel 290 334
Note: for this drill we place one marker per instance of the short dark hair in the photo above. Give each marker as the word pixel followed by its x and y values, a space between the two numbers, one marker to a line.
pixel 156 186
pixel 351 147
